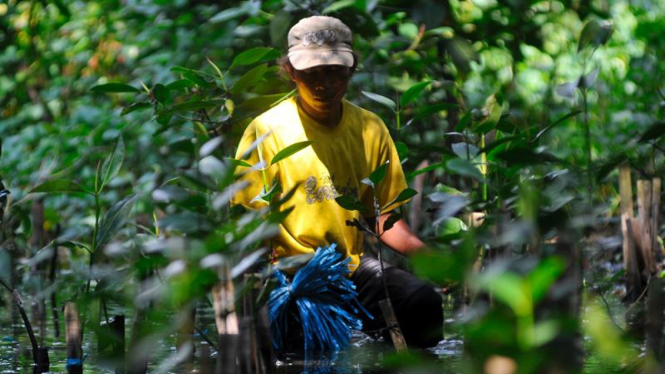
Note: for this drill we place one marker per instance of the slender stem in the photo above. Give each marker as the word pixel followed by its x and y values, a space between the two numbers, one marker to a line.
pixel 6 286
pixel 94 240
pixel 28 326
pixel 587 145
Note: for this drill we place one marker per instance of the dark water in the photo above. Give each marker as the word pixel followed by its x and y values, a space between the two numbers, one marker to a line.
pixel 365 356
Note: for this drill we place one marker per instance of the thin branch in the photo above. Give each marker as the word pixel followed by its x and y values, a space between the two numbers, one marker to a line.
pixel 6 286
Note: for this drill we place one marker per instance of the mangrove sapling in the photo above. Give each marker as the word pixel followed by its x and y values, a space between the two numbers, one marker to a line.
pixel 352 203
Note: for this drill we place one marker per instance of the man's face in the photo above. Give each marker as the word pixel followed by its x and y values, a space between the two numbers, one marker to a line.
pixel 321 87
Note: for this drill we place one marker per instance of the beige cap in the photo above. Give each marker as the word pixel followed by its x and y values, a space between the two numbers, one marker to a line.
pixel 320 40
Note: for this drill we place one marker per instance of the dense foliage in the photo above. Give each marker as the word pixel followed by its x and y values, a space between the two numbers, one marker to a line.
pixel 120 120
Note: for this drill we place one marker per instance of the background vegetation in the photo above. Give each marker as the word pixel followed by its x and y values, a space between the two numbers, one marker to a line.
pixel 119 118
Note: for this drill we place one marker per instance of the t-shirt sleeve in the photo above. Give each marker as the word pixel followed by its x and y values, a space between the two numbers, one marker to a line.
pixel 394 181
pixel 248 151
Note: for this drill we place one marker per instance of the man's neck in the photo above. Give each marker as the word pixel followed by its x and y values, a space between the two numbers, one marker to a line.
pixel 328 116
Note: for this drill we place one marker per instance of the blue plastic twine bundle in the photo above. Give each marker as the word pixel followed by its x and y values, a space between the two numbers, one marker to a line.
pixel 321 297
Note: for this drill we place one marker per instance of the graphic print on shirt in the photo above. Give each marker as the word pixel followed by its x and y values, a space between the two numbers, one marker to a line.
pixel 327 189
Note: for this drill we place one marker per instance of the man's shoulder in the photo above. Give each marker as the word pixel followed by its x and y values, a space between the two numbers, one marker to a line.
pixel 367 119
pixel 277 117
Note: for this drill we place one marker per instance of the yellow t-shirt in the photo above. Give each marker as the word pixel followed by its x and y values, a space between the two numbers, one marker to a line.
pixel 333 165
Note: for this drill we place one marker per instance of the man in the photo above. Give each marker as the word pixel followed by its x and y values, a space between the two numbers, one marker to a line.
pixel 349 143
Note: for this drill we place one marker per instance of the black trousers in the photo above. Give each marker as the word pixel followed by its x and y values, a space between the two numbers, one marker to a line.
pixel 418 308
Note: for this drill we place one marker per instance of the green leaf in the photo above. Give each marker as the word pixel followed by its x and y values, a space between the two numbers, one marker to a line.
pixel 228 14
pixel 402 150
pixel 338 5
pixel 429 110
pixel 544 276
pixel 59 185
pixel 560 120
pixel 379 173
pixel 589 33
pixel 112 163
pixel 267 196
pixel 390 222
pixel 236 162
pixel 413 93
pixel 465 168
pixel 499 142
pixel 198 104
pixel 136 106
pixel 381 100
pixel 113 220
pixel 403 196
pixel 186 222
pixel 293 262
pixel 279 27
pixel 655 131
pixel 195 76
pixel 595 33
pixel 290 150
pixel 180 84
pixel 488 124
pixel 523 155
pixel 253 55
pixel 249 79
pixel 114 87
pixel 161 93
pixel 349 202
pixel 164 118
pixel 438 165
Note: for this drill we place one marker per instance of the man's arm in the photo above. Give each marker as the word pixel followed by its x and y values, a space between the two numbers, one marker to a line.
pixel 400 237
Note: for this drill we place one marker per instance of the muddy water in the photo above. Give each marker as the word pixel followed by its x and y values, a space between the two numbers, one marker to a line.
pixel 365 356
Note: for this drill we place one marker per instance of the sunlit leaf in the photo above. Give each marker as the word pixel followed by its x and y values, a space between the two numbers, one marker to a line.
pixel 413 93
pixel 59 185
pixel 290 150
pixel 114 88
pixel 237 162
pixel 380 99
pixel 267 196
pixel 338 5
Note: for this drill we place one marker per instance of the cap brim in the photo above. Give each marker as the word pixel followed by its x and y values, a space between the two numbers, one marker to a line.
pixel 309 58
